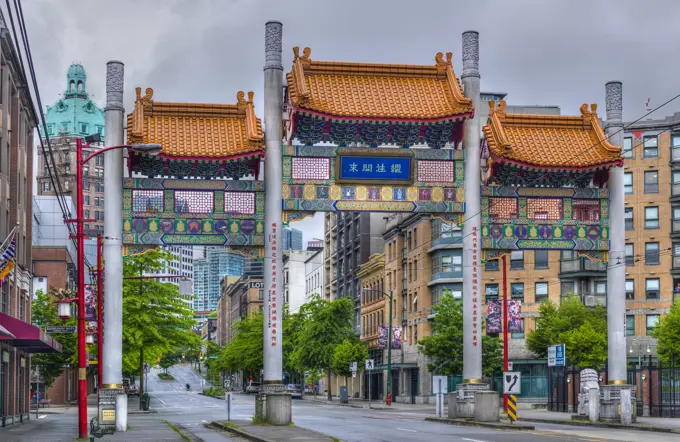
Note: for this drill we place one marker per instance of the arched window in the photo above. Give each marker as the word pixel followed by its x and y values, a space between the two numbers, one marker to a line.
pixel 73 86
pixel 80 86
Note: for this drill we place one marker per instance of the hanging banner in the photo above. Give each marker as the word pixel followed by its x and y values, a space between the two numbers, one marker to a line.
pixel 514 320
pixel 382 337
pixel 396 337
pixel 493 317
pixel 90 303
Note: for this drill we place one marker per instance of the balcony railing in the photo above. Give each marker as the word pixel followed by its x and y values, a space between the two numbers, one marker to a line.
pixel 581 265
pixel 594 299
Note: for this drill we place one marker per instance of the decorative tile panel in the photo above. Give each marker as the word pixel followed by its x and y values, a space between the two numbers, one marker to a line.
pixel 310 168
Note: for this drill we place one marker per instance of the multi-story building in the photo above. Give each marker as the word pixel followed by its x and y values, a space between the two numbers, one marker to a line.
pixel 17 123
pixel 209 271
pixel 314 274
pixel 294 278
pixel 350 238
pixel 374 310
pixel 71 117
pixel 292 239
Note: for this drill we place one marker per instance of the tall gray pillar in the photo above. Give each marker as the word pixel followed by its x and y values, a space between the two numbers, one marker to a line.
pixel 472 271
pixel 273 263
pixel 112 371
pixel 277 402
pixel 616 271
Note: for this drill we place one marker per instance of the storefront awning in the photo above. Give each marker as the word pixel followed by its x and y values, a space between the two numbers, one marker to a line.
pixel 27 337
pixel 5 332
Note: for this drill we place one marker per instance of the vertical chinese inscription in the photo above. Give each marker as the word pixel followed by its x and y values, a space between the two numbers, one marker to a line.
pixel 475 288
pixel 273 316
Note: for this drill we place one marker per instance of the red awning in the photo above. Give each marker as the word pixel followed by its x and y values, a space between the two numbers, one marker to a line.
pixel 27 337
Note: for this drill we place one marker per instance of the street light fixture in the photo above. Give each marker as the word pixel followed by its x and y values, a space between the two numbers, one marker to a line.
pixel 89 339
pixel 64 308
pixel 149 149
pixel 389 346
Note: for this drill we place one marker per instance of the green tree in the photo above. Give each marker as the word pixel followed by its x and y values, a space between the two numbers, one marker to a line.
pixel 350 350
pixel 444 346
pixel 325 325
pixel 44 314
pixel 667 334
pixel 155 318
pixel 582 329
pixel 168 360
pixel 245 352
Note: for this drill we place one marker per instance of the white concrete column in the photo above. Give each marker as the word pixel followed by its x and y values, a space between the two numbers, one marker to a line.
pixel 616 270
pixel 472 336
pixel 273 263
pixel 112 373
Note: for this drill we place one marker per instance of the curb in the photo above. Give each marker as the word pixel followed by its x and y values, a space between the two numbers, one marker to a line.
pixel 238 432
pixel 616 426
pixel 364 407
pixel 472 423
pixel 209 395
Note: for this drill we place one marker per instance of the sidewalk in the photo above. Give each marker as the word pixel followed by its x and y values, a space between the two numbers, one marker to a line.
pixel 643 423
pixel 269 433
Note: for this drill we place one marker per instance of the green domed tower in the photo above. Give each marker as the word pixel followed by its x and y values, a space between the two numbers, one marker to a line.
pixel 74 114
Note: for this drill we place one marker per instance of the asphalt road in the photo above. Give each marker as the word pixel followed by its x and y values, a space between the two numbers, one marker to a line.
pixel 192 411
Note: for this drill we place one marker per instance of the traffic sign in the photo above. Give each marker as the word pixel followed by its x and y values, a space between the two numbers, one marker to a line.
pixel 512 408
pixel 352 366
pixel 509 365
pixel 370 365
pixel 147 367
pixel 440 384
pixel 61 329
pixel 556 355
pixel 512 382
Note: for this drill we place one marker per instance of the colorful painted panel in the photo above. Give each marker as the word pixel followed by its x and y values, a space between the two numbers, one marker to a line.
pixel 367 179
pixel 545 218
pixel 193 212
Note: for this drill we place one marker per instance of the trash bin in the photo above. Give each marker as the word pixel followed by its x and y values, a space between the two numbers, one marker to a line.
pixel 343 395
pixel 146 399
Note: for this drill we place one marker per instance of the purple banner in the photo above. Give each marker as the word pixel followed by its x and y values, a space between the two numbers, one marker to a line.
pixel 396 337
pixel 90 303
pixel 493 317
pixel 382 337
pixel 514 320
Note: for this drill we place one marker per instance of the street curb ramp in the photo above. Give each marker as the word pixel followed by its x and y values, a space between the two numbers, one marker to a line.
pixel 473 423
pixel 250 436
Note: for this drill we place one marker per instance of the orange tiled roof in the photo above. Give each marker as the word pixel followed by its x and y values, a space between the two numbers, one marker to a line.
pixel 548 141
pixel 379 91
pixel 196 130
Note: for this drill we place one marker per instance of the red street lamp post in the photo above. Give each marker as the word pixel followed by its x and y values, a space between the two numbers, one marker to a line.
pixel 151 149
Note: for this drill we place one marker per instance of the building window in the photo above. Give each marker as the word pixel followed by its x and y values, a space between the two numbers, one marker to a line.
pixel 675 141
pixel 50 129
pixel 447 264
pixel 541 259
pixel 675 183
pixel 652 288
pixel 491 266
pixel 628 217
pixel 585 210
pixel 630 289
pixel 601 288
pixel 541 291
pixel 652 323
pixel 630 254
pixel 519 335
pixel 652 181
pixel 83 128
pixel 628 183
pixel 652 253
pixel 87 200
pixel 651 217
pixel 627 150
pixel 517 290
pixel 3 289
pixel 99 160
pixel 47 186
pixel 415 237
pixel 566 288
pixel 651 146
pixel 261 295
pixel 630 325
pixel 491 291
pixel 517 260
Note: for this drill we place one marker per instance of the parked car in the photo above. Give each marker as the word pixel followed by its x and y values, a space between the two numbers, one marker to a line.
pixel 252 387
pixel 295 391
pixel 132 390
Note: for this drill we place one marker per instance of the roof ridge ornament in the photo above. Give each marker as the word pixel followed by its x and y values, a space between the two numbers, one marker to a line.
pixel 306 52
pixel 147 98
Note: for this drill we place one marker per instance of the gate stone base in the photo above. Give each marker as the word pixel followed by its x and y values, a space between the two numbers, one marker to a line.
pixel 610 402
pixel 462 401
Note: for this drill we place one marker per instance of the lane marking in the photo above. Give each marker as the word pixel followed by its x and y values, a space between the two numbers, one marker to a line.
pixel 472 440
pixel 162 402
pixel 406 429
pixel 42 416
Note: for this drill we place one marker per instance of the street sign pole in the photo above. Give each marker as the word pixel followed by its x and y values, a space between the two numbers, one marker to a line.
pixel 369 389
pixel 227 399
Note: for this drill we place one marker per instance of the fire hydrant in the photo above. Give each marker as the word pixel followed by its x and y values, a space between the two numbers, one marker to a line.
pixel 389 399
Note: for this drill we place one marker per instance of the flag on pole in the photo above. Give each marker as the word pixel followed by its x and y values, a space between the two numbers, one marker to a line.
pixel 7 256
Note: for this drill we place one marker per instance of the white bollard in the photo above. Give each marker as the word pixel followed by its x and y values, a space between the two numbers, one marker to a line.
pixel 594 405
pixel 121 412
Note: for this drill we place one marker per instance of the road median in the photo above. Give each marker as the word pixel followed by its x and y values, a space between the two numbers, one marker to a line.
pixel 269 433
pixel 474 423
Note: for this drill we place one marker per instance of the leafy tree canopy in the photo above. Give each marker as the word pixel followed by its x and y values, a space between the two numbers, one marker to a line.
pixel 582 329
pixel 350 350
pixel 444 346
pixel 667 334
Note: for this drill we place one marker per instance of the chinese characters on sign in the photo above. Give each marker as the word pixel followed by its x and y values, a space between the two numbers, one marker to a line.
pixel 273 316
pixel 476 276
pixel 392 169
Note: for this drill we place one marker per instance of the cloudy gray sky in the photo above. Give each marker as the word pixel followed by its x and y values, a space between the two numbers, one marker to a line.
pixel 538 51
